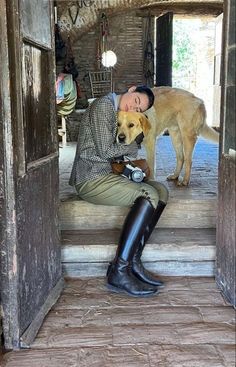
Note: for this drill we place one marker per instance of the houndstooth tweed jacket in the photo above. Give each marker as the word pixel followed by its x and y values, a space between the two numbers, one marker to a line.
pixel 96 146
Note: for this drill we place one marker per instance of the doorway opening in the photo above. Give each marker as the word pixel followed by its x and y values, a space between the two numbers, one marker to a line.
pixel 196 46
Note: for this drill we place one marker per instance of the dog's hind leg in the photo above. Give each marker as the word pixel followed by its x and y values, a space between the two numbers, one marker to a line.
pixel 188 144
pixel 178 147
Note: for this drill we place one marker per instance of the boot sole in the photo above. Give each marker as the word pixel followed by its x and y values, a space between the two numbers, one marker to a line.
pixel 147 282
pixel 120 290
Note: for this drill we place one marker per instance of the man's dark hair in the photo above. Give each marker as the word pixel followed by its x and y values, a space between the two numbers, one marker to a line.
pixel 146 90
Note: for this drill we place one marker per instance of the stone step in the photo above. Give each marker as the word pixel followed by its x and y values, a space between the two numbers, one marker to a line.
pixel 169 251
pixel 180 213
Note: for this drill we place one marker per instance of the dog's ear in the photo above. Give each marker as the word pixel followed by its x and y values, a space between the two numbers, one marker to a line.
pixel 146 126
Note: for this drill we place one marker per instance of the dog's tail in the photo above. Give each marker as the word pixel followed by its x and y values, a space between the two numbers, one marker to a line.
pixel 206 131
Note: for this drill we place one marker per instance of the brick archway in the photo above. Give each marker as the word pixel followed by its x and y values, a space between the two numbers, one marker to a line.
pixel 89 12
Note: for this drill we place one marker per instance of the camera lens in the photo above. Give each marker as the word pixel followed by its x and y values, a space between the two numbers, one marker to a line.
pixel 137 176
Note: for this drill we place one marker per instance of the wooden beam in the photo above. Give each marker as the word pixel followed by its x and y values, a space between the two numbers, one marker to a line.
pixel 182 8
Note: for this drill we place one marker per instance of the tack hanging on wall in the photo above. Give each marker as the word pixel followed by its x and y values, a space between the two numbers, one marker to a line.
pixel 73 10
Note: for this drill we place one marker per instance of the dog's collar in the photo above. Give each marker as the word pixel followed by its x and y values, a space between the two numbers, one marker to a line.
pixel 139 139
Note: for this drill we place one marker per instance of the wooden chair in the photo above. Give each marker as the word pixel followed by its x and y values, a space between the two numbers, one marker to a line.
pixel 100 82
pixel 62 130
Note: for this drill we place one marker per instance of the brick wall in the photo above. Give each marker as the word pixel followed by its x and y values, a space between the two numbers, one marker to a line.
pixel 126 40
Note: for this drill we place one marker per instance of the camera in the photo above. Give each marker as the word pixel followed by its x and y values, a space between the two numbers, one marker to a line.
pixel 133 173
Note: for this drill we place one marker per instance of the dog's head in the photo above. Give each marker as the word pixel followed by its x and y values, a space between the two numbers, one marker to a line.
pixel 130 125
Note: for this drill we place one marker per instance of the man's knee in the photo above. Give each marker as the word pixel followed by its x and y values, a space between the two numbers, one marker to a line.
pixel 162 191
pixel 150 193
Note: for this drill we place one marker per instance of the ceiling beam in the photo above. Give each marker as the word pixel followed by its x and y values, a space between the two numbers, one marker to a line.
pixel 186 9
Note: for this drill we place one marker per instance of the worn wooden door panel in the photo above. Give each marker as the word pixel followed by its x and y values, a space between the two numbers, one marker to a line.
pixel 31 263
pixel 36 109
pixel 164 29
pixel 226 226
pixel 33 14
pixel 38 238
pixel 226 231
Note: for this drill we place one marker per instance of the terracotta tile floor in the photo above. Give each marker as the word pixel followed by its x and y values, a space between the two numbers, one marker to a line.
pixel 188 324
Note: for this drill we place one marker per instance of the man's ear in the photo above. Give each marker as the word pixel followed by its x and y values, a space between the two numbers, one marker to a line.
pixel 146 126
pixel 132 89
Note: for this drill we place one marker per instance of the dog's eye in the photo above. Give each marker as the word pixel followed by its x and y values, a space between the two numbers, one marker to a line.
pixel 118 124
pixel 131 125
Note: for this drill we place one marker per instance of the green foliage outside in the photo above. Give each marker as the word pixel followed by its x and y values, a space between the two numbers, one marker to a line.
pixel 183 49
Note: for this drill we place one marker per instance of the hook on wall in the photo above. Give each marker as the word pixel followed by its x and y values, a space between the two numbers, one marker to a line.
pixel 73 11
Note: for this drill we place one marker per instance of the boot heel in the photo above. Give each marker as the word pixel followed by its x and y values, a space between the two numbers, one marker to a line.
pixel 109 269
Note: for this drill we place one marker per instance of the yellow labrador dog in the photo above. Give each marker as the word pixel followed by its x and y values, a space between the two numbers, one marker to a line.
pixel 177 110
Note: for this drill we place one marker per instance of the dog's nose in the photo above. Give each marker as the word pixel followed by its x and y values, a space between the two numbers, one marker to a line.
pixel 121 138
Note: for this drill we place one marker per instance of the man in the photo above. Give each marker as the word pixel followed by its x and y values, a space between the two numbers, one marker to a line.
pixel 94 181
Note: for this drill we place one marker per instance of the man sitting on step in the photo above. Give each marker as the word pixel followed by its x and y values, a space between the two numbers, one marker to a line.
pixel 94 181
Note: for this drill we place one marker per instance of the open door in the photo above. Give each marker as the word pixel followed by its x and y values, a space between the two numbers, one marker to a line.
pixel 226 227
pixel 30 248
pixel 164 36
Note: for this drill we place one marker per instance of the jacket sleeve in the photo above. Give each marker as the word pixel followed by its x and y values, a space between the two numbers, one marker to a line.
pixel 103 122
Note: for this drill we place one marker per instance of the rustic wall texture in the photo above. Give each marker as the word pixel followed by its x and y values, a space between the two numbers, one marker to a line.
pixel 126 40
pixel 90 10
pixel 127 33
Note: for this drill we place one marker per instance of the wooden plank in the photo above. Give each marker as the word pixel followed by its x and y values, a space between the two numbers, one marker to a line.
pixel 173 245
pixel 140 355
pixel 182 213
pixel 156 252
pixel 204 236
pixel 197 8
pixel 187 323
pixel 163 268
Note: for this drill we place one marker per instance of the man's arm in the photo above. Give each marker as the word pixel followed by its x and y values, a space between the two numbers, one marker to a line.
pixel 102 125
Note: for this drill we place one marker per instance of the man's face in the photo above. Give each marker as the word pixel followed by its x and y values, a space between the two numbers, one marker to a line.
pixel 133 101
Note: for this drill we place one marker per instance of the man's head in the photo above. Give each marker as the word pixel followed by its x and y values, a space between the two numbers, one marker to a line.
pixel 137 99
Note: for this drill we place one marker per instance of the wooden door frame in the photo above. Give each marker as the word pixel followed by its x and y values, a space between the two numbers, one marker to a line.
pixel 226 228
pixel 165 78
pixel 7 189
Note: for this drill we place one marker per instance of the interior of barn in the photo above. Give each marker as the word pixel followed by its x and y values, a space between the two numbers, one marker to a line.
pixel 70 318
pixel 178 46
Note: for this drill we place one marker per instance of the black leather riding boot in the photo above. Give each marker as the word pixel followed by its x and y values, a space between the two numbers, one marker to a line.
pixel 136 265
pixel 119 276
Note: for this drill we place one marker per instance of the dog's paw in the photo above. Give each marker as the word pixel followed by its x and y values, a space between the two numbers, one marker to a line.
pixel 172 177
pixel 182 183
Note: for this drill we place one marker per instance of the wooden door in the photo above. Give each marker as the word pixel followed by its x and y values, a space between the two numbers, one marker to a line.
pixel 164 35
pixel 30 252
pixel 226 226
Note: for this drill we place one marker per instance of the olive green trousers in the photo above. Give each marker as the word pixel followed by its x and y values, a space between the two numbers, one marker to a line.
pixel 117 190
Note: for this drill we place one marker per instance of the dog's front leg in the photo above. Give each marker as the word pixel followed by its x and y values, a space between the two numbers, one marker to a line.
pixel 150 147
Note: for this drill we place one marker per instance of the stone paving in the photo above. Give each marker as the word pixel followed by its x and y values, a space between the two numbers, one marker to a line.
pixel 204 175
